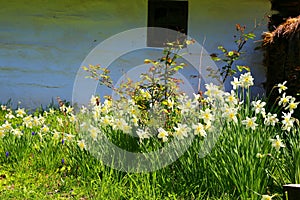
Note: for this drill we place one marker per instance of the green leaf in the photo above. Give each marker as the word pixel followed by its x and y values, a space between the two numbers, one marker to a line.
pixel 214 57
pixel 85 68
pixel 222 49
pixel 242 67
pixel 250 35
pixel 178 67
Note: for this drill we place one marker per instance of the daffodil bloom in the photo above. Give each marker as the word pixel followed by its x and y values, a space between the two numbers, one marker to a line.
pixel 145 94
pixel 7 126
pixel 199 129
pixel 187 105
pixel 258 106
pixel 133 110
pixel 143 134
pixel 270 119
pixel 27 121
pixel 292 105
pixel 84 126
pixel 121 124
pixel 40 135
pixel 181 131
pixel 3 107
pixel 250 122
pixel 266 197
pixel 94 132
pixel 276 143
pixel 135 120
pixel 46 113
pixel 230 113
pixel 209 127
pixel 35 121
pixel 169 103
pixel 69 109
pixel 246 80
pixel 96 112
pixel 45 129
pixel 56 135
pixel 163 134
pixel 60 121
pixel 2 132
pixel 106 121
pixel 287 122
pixel 259 155
pixel 51 111
pixel 69 137
pixel 127 129
pixel 41 120
pixel 209 89
pixel 213 91
pixel 235 83
pixel 105 109
pixel 206 115
pixel 9 115
pixel 108 103
pixel 17 133
pixel 281 87
pixel 83 110
pixel 230 98
pixel 81 144
pixel 20 112
pixel 72 118
pixel 284 100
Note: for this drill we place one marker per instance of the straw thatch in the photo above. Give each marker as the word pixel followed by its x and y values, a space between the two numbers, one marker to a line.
pixel 285 30
pixel 282 55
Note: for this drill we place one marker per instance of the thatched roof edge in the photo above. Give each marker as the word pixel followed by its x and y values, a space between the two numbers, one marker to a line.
pixel 285 30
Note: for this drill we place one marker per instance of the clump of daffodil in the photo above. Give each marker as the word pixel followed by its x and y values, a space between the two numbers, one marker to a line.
pixel 199 129
pixel 246 80
pixel 181 131
pixel 2 132
pixel 163 134
pixel 20 112
pixel 250 122
pixel 143 134
pixel 267 197
pixel 259 107
pixel 282 87
pixel 93 132
pixel 277 143
pixel 81 144
pixel 287 121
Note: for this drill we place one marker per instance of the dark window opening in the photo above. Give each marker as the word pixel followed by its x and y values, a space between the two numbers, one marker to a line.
pixel 168 14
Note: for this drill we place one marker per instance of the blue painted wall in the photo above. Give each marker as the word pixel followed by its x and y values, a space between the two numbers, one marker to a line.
pixel 43 43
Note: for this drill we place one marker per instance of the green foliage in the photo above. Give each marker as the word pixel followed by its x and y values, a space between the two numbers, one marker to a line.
pixel 239 150
pixel 229 57
pixel 156 86
pixel 242 165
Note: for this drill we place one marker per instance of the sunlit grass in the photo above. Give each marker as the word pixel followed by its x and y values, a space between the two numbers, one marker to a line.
pixel 50 154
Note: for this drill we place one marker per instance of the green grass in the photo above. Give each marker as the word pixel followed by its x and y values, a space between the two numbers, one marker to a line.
pixel 49 164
